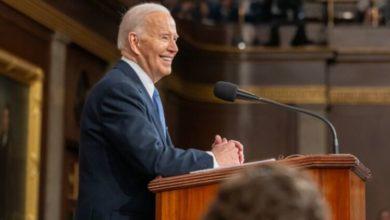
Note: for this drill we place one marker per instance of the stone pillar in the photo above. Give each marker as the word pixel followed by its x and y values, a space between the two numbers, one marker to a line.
pixel 55 127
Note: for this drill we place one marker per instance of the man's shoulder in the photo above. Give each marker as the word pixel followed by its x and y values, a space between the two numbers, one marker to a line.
pixel 115 78
pixel 113 82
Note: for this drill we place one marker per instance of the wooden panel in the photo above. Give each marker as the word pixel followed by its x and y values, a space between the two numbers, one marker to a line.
pixel 335 161
pixel 85 13
pixel 360 74
pixel 190 203
pixel 364 132
pixel 343 191
pixel 83 70
pixel 357 197
pixel 187 203
pixel 334 185
pixel 339 178
pixel 358 36
pixel 252 67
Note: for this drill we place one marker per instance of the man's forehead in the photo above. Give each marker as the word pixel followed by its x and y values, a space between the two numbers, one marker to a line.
pixel 159 20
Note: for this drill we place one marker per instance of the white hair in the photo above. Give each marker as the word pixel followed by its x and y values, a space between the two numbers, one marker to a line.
pixel 133 20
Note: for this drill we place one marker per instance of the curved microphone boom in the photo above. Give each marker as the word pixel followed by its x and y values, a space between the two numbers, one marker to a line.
pixel 230 92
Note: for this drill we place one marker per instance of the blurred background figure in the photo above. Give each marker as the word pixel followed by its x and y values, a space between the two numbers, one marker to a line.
pixel 384 215
pixel 268 192
pixel 224 11
pixel 386 11
pixel 288 11
pixel 278 12
pixel 259 11
pixel 181 9
pixel 202 12
pixel 373 12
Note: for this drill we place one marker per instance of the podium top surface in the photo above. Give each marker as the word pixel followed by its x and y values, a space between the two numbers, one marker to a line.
pixel 210 176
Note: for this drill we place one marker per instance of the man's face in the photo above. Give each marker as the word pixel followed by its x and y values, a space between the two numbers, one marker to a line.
pixel 157 45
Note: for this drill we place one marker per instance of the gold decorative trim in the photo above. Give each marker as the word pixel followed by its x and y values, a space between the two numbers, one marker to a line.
pixel 202 92
pixel 363 51
pixel 360 95
pixel 32 76
pixel 305 94
pixel 53 19
pixel 18 69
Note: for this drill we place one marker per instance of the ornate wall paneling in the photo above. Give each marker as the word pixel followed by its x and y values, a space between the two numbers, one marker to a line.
pixel 80 75
pixel 83 70
pixel 21 124
pixel 360 108
pixel 29 41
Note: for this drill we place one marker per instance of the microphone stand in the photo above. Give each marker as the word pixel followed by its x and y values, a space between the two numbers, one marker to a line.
pixel 229 92
pixel 336 149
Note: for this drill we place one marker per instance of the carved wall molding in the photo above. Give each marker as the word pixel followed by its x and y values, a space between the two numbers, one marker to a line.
pixel 300 94
pixel 53 19
pixel 18 69
pixel 360 95
pixel 202 92
pixel 31 76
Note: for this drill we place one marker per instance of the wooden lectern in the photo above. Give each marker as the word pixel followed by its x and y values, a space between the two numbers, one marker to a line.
pixel 340 177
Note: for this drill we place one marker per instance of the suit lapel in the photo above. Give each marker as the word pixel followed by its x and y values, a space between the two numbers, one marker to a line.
pixel 129 72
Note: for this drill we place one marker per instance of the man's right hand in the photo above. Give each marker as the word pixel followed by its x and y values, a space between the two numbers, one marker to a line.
pixel 226 153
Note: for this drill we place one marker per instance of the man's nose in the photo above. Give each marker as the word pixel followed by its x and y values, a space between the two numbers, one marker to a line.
pixel 173 47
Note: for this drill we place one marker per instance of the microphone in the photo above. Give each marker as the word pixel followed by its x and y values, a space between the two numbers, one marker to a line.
pixel 230 92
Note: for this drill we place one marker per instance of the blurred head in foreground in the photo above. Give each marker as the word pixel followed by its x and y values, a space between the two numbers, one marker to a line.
pixel 268 193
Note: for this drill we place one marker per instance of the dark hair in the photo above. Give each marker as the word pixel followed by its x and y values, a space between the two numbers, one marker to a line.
pixel 268 193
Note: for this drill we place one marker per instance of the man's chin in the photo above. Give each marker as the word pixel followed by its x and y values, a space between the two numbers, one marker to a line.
pixel 167 72
pixel 164 74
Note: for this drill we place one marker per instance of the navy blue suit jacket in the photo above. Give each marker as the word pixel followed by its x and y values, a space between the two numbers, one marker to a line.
pixel 122 148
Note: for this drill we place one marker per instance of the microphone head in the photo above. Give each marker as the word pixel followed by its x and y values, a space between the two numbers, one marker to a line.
pixel 226 91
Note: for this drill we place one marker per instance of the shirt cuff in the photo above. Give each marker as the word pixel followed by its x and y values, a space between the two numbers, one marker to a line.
pixel 216 165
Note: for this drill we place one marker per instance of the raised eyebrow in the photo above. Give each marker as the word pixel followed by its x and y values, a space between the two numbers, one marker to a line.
pixel 175 36
pixel 166 35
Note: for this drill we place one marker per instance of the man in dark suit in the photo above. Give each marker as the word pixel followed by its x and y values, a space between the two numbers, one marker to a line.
pixel 124 141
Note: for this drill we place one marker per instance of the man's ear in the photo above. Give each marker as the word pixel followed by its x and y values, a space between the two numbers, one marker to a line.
pixel 133 40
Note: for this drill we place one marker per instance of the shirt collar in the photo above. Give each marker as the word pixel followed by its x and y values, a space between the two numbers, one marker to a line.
pixel 145 79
